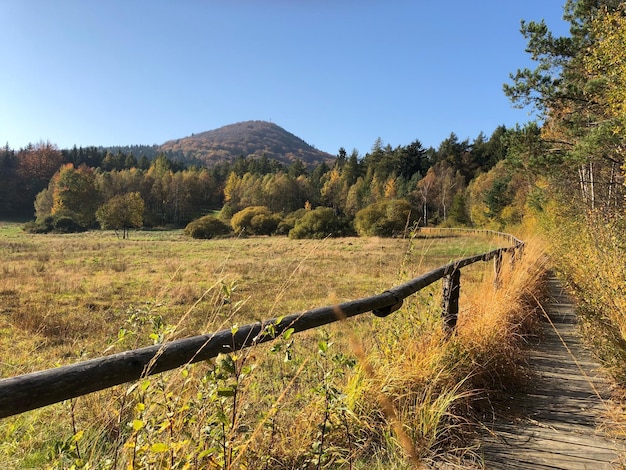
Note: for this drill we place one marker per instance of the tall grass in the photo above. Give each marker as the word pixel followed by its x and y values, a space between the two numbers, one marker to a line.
pixel 589 251
pixel 437 383
pixel 365 393
pixel 590 254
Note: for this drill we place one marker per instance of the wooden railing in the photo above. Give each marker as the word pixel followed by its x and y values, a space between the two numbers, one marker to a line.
pixel 30 391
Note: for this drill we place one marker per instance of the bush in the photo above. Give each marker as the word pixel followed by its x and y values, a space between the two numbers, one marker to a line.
pixel 66 224
pixel 384 218
pixel 255 220
pixel 289 221
pixel 227 212
pixel 207 227
pixel 321 223
pixel 54 224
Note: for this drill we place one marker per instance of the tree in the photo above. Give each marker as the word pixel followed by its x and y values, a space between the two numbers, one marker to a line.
pixel 334 191
pixel 458 210
pixel 412 159
pixel 351 170
pixel 565 92
pixel 357 197
pixel 341 159
pixel 606 66
pixel 297 168
pixel 35 166
pixel 10 202
pixel 424 187
pixel 74 194
pixel 121 212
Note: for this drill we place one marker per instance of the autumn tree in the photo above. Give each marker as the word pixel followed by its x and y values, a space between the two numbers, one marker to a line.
pixel 425 191
pixel 606 66
pixel 447 184
pixel 566 91
pixel 35 166
pixel 74 194
pixel 334 191
pixel 121 212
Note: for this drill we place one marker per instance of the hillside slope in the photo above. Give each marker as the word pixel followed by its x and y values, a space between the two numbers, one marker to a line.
pixel 249 138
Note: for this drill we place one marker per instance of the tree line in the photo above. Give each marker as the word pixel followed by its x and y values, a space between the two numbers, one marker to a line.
pixel 66 188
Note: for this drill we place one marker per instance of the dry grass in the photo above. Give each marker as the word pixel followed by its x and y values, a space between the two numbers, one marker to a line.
pixel 590 255
pixel 347 395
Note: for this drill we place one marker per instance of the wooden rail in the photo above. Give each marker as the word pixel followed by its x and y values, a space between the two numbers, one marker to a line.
pixel 30 391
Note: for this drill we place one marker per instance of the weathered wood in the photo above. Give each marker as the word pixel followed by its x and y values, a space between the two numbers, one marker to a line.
pixel 450 301
pixel 30 391
pixel 497 269
pixel 555 423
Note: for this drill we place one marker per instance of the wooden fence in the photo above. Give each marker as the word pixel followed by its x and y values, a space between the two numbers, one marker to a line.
pixel 30 391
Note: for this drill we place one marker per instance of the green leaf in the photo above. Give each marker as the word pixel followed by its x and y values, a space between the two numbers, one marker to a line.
pixel 226 392
pixel 226 363
pixel 287 334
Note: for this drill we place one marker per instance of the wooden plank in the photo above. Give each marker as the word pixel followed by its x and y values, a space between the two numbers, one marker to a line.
pixel 554 424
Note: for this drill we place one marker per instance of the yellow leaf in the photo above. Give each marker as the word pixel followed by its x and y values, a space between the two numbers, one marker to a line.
pixel 137 424
pixel 159 447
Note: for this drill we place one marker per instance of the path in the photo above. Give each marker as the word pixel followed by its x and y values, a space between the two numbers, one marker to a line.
pixel 555 424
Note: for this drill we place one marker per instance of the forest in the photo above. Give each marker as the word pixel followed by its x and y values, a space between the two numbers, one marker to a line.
pixel 67 187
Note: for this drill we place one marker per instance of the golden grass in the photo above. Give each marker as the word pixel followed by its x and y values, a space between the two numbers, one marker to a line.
pixel 309 400
pixel 590 253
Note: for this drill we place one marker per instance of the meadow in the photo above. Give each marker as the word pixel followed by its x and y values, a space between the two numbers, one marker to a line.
pixel 364 393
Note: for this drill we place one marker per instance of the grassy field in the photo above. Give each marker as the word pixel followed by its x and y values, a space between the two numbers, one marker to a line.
pixel 351 395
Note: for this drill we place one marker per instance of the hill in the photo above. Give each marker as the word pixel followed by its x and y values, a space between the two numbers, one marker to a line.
pixel 249 138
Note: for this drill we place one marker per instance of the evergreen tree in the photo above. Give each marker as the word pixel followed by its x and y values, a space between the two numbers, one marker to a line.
pixel 563 92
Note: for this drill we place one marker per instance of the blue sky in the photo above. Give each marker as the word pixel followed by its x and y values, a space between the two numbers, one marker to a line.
pixel 335 73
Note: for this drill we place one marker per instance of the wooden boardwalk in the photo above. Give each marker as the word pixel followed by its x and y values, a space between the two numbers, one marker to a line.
pixel 555 424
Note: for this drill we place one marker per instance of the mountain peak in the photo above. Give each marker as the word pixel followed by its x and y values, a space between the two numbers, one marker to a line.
pixel 248 139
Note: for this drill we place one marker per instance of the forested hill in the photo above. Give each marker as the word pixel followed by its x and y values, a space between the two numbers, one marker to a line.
pixel 249 138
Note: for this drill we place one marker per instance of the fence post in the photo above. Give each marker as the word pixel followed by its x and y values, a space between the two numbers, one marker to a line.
pixel 450 303
pixel 497 267
pixel 514 257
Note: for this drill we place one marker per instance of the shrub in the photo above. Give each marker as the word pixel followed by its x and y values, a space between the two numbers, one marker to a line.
pixel 321 223
pixel 54 224
pixel 207 227
pixel 289 221
pixel 227 212
pixel 384 218
pixel 255 220
pixel 263 224
pixel 66 224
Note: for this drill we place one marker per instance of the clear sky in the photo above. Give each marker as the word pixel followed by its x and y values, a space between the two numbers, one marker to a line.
pixel 336 73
